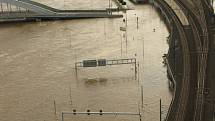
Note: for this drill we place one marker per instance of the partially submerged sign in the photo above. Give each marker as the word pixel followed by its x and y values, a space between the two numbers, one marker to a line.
pixel 94 63
pixel 102 62
pixel 89 63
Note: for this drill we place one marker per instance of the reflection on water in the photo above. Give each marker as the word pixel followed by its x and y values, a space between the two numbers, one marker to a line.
pixel 100 81
pixel 104 81
pixel 37 67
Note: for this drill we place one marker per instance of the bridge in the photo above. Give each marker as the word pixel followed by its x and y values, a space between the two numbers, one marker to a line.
pixel 191 25
pixel 19 10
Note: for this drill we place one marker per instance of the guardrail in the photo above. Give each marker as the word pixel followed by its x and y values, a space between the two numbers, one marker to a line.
pixel 100 113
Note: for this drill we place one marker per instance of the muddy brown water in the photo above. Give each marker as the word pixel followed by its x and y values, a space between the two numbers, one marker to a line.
pixel 37 67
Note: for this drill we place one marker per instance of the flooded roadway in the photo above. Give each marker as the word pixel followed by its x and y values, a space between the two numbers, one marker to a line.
pixel 37 67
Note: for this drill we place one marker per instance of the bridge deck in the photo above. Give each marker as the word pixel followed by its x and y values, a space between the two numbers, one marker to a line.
pixel 33 10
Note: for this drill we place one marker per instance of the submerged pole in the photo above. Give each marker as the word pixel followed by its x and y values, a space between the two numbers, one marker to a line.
pixel 62 116
pixel 10 8
pixel 137 22
pixel 135 69
pixel 160 110
pixel 76 70
pixel 70 94
pixel 126 17
pixel 2 8
pixel 142 96
pixel 7 8
pixel 55 110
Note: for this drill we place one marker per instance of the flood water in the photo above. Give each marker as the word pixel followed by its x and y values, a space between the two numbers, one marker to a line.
pixel 37 67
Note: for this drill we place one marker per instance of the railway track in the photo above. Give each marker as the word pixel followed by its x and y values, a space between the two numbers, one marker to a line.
pixel 202 45
pixel 184 93
pixel 209 5
pixel 198 22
